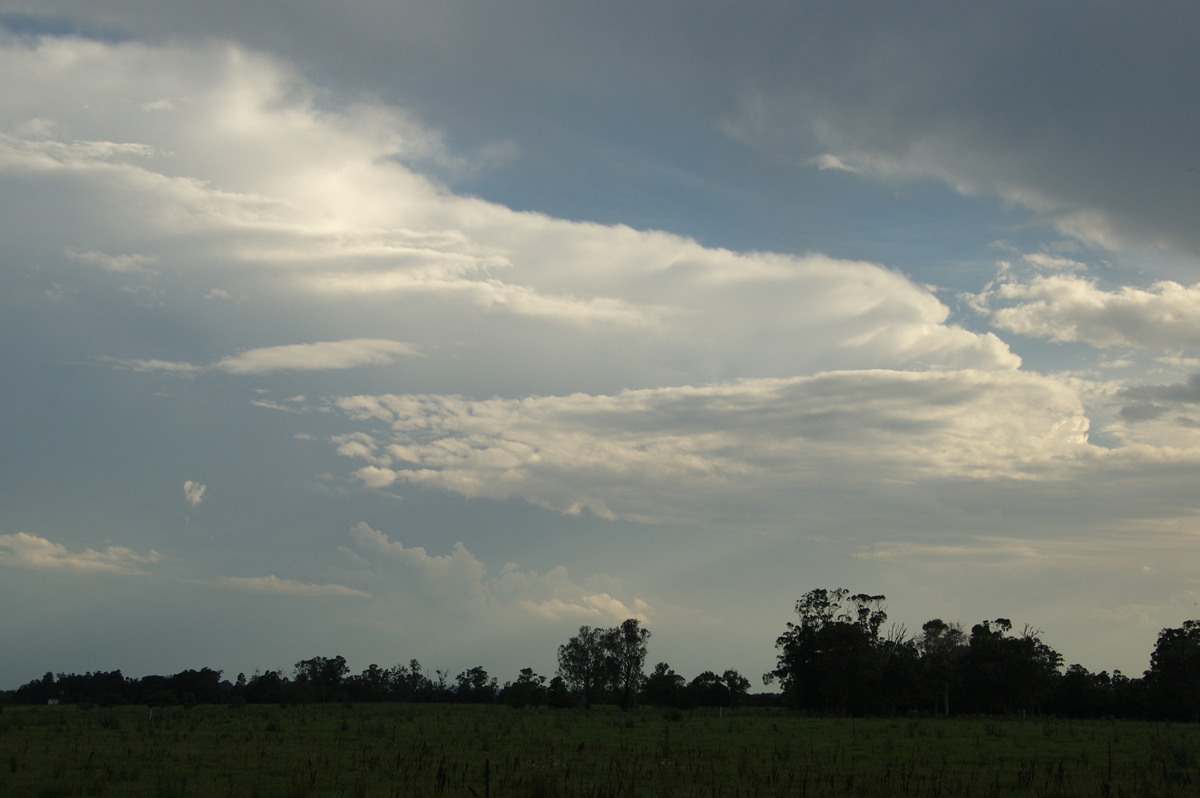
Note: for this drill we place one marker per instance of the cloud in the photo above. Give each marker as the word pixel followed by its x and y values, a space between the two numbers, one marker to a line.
pixel 1065 307
pixel 1166 416
pixel 462 579
pixel 1007 552
pixel 685 453
pixel 194 492
pixel 594 608
pixel 286 199
pixel 316 357
pixel 319 356
pixel 152 365
pixel 114 263
pixel 29 551
pixel 829 161
pixel 599 370
pixel 286 587
pixel 458 569
pixel 951 96
pixel 1178 394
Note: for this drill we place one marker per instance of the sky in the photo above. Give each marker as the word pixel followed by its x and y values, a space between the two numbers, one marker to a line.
pixel 437 329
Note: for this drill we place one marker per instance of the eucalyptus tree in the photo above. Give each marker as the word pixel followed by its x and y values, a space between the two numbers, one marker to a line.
pixel 941 647
pixel 598 662
pixel 1174 675
pixel 832 659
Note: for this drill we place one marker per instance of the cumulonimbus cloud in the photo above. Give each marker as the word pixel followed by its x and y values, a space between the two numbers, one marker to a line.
pixel 361 235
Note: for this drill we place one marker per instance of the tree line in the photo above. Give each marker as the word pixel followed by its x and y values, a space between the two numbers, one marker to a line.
pixel 836 658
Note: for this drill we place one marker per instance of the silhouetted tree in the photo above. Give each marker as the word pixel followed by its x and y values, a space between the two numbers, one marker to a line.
pixel 585 665
pixel 708 690
pixel 941 647
pixel 410 683
pixel 474 686
pixel 1078 693
pixel 39 691
pixel 197 686
pixel 558 694
pixel 627 648
pixel 320 678
pixel 831 660
pixel 528 690
pixel 1004 673
pixel 1174 675
pixel 605 662
pixel 737 685
pixel 373 684
pixel 269 687
pixel 665 688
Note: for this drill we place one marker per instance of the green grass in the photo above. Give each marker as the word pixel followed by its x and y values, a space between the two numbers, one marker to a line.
pixel 429 750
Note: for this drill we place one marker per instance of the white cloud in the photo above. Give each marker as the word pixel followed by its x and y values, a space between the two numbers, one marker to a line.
pixel 316 356
pixel 30 551
pixel 1054 262
pixel 319 356
pixel 634 374
pixel 830 161
pixel 114 263
pixel 177 368
pixel 193 492
pixel 676 454
pixel 375 476
pixel 461 579
pixel 595 608
pixel 1007 552
pixel 283 202
pixel 1065 307
pixel 286 587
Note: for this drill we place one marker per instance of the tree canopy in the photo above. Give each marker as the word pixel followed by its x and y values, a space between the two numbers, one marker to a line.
pixel 837 657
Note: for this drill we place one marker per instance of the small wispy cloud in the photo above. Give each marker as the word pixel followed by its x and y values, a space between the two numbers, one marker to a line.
pixel 318 356
pixel 287 587
pixel 831 161
pixel 23 550
pixel 194 492
pixel 114 263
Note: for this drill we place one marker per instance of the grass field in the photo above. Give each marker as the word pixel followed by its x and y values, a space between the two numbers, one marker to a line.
pixel 431 750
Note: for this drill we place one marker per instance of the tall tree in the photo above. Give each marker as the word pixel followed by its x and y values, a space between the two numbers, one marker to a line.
pixel 600 661
pixel 320 678
pixel 832 659
pixel 1003 672
pixel 474 686
pixel 584 663
pixel 666 688
pixel 627 647
pixel 528 690
pixel 941 647
pixel 1174 675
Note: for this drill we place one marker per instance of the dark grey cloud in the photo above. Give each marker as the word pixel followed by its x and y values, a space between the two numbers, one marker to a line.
pixel 1150 402
pixel 1083 113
